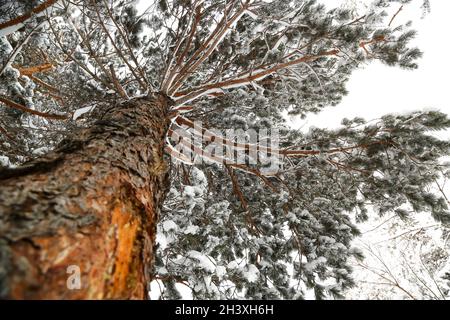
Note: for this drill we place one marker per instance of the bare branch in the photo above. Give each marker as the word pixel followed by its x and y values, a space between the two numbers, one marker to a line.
pixel 116 82
pixel 5 132
pixel 395 15
pixel 21 19
pixel 118 51
pixel 17 49
pixel 29 71
pixel 14 105
pixel 194 93
pixel 208 47
pixel 127 43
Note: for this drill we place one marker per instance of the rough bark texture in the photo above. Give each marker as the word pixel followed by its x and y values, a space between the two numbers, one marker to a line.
pixel 92 203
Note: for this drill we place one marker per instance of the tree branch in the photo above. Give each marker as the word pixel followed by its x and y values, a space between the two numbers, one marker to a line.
pixel 29 71
pixel 194 93
pixel 16 106
pixel 118 51
pixel 21 19
pixel 210 45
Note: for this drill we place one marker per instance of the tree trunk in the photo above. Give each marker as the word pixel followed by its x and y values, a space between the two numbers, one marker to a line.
pixel 89 206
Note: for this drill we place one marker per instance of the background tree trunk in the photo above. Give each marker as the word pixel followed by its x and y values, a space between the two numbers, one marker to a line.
pixel 93 203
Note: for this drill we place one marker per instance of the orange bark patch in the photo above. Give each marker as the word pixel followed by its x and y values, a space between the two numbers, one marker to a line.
pixel 29 71
pixel 126 229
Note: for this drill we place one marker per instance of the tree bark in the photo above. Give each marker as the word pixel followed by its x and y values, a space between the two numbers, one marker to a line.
pixel 91 205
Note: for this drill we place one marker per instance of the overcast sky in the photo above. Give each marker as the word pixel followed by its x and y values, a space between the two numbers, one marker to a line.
pixel 378 89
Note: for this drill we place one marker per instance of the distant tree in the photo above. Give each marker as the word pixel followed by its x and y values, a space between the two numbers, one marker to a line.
pixel 404 259
pixel 114 91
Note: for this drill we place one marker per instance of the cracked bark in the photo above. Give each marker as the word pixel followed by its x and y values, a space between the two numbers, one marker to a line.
pixel 92 203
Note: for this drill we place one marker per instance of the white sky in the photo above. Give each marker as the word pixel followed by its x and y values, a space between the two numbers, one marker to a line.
pixel 378 89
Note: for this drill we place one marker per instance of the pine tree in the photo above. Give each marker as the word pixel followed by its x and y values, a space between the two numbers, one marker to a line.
pixel 117 95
